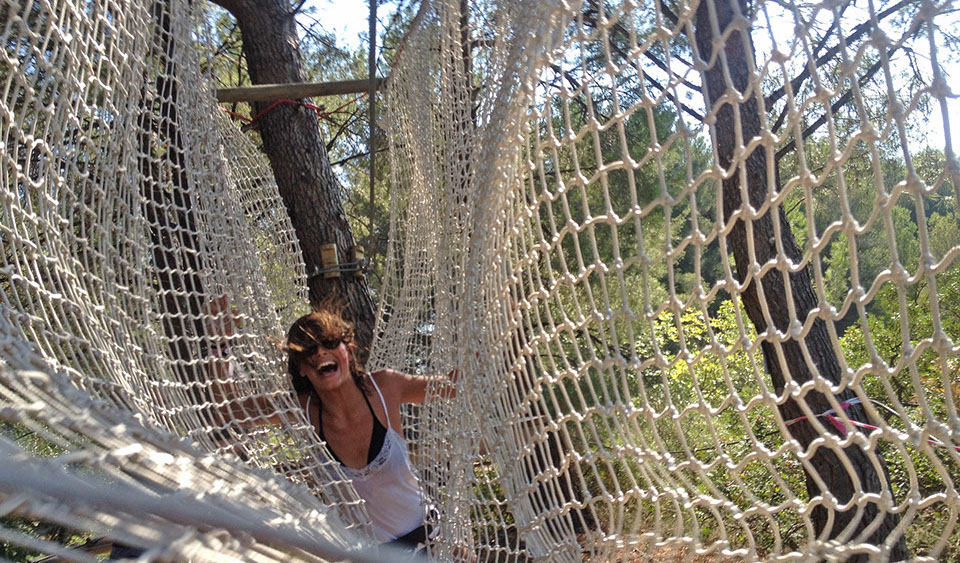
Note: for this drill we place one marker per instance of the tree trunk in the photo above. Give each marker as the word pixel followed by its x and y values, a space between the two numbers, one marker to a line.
pixel 786 362
pixel 169 212
pixel 298 157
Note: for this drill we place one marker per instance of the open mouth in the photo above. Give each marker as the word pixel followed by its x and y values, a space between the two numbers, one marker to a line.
pixel 327 368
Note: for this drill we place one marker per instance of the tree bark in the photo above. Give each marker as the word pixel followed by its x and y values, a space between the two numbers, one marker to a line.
pixel 298 157
pixel 168 209
pixel 786 362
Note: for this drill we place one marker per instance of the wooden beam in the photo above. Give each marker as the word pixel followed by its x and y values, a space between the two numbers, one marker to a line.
pixel 273 92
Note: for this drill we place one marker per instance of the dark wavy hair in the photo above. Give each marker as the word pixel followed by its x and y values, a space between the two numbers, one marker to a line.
pixel 323 324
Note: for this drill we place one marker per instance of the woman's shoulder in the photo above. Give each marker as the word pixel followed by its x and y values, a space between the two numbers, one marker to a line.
pixel 387 379
pixel 393 384
pixel 400 387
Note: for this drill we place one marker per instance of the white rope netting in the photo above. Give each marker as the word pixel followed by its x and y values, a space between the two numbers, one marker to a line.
pixel 131 207
pixel 700 262
pixel 697 265
pixel 147 489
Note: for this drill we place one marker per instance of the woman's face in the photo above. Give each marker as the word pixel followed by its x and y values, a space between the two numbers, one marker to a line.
pixel 327 369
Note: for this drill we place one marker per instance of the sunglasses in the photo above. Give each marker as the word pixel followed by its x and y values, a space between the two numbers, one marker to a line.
pixel 312 349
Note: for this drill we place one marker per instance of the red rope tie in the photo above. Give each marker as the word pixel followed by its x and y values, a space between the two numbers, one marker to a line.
pixel 237 115
pixel 317 109
pixel 831 415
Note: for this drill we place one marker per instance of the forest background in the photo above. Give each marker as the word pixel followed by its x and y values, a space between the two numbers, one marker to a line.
pixel 334 47
pixel 334 42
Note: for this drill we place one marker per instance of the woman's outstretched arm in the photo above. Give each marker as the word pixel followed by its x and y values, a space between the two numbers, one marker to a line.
pixel 408 388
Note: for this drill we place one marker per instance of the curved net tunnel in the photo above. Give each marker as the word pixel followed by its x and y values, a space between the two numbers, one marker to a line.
pixel 697 263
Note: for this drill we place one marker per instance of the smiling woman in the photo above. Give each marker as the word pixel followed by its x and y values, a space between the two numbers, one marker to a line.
pixel 358 415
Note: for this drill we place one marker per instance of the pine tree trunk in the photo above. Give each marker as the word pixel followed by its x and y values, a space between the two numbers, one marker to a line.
pixel 169 212
pixel 298 157
pixel 788 363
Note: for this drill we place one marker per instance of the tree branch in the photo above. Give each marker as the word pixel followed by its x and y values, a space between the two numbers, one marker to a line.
pixel 227 42
pixel 668 13
pixel 618 28
pixel 693 113
pixel 643 74
pixel 573 81
pixel 831 53
pixel 235 7
pixel 566 73
pixel 296 10
pixel 346 123
pixel 310 33
pixel 844 99
pixel 353 157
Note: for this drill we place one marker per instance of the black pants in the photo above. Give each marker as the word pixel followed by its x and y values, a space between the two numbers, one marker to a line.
pixel 120 551
pixel 414 537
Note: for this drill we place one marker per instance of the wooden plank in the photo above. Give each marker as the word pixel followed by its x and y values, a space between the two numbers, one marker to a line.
pixel 294 91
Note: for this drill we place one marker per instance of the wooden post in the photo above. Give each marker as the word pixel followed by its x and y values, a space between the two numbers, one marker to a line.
pixel 372 100
pixel 358 260
pixel 329 260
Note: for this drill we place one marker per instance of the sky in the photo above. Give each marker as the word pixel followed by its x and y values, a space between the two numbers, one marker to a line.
pixel 348 20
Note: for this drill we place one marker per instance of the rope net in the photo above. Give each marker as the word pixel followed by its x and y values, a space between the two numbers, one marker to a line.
pixel 700 262
pixel 698 266
pixel 134 218
pixel 148 489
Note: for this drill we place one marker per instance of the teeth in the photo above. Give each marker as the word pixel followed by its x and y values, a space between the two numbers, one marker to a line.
pixel 326 364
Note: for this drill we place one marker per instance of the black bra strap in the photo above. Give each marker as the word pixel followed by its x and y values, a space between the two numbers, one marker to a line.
pixel 378 435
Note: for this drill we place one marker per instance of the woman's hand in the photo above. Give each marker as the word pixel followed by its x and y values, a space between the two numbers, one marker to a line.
pixel 221 322
pixel 448 387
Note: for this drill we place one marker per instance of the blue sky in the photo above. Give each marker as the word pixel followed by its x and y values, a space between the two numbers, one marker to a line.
pixel 347 20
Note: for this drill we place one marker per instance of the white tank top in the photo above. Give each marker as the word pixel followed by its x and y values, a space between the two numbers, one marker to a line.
pixel 387 484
